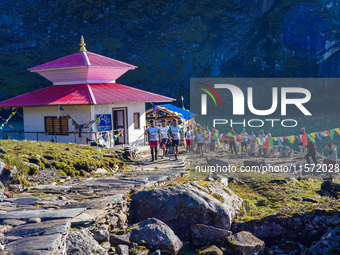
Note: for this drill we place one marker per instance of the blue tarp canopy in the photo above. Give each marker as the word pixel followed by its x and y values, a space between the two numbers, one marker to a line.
pixel 182 113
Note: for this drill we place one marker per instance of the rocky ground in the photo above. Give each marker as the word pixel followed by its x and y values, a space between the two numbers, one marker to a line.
pixel 76 216
pixel 163 208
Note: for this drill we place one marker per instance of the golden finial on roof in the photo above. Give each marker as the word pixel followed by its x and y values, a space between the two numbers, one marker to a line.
pixel 82 44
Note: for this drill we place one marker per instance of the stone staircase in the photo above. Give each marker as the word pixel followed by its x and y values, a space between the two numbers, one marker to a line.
pixel 39 221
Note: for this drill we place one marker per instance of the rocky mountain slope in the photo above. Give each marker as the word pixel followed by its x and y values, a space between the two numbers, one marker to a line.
pixel 172 41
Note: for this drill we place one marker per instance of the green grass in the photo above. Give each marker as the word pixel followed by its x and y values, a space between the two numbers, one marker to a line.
pixel 262 198
pixel 67 159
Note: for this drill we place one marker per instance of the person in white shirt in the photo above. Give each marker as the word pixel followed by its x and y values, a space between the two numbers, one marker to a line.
pixel 332 160
pixel 188 139
pixel 164 137
pixel 153 135
pixel 200 141
pixel 244 139
pixel 174 133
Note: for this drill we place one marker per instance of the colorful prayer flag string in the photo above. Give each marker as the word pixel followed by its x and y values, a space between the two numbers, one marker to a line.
pixel 6 121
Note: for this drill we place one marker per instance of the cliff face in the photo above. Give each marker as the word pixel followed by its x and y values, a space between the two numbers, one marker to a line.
pixel 172 41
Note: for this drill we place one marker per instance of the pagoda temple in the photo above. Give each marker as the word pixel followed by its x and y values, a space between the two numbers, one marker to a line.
pixel 85 103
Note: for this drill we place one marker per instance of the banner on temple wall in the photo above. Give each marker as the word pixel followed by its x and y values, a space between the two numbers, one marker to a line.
pixel 104 122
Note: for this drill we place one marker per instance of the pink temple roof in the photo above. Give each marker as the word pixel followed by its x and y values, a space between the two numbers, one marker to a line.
pixel 83 78
pixel 84 94
pixel 83 58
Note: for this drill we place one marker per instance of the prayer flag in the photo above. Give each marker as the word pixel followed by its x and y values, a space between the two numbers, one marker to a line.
pixel 337 130
pixel 311 138
pixel 304 139
pixel 318 135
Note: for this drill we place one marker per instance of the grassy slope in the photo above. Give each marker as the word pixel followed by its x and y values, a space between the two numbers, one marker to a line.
pixel 67 159
pixel 262 198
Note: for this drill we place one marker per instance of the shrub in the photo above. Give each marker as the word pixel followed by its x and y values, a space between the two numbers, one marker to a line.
pixel 83 173
pixel 33 170
pixel 22 169
pixel 38 162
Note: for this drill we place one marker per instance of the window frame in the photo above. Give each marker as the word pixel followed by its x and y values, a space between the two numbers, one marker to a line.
pixel 54 118
pixel 138 123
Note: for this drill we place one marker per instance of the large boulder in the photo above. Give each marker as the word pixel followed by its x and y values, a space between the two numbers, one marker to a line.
pixel 204 202
pixel 155 234
pixel 245 243
pixel 207 235
pixel 328 244
pixel 329 188
pixel 80 241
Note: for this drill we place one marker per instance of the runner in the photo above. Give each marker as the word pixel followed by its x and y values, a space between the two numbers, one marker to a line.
pixel 262 142
pixel 232 140
pixel 302 147
pixel 173 133
pixel 194 147
pixel 153 137
pixel 200 141
pixel 206 133
pixel 164 137
pixel 311 152
pixel 244 139
pixel 252 141
pixel 188 134
pixel 212 139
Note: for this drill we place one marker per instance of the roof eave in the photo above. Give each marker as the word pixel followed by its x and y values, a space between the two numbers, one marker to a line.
pixel 4 106
pixel 74 67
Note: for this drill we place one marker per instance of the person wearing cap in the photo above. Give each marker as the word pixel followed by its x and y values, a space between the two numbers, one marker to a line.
pixel 153 137
pixel 302 147
pixel 332 158
pixel 174 135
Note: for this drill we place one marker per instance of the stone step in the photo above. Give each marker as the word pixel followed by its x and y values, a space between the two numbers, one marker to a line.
pixel 43 214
